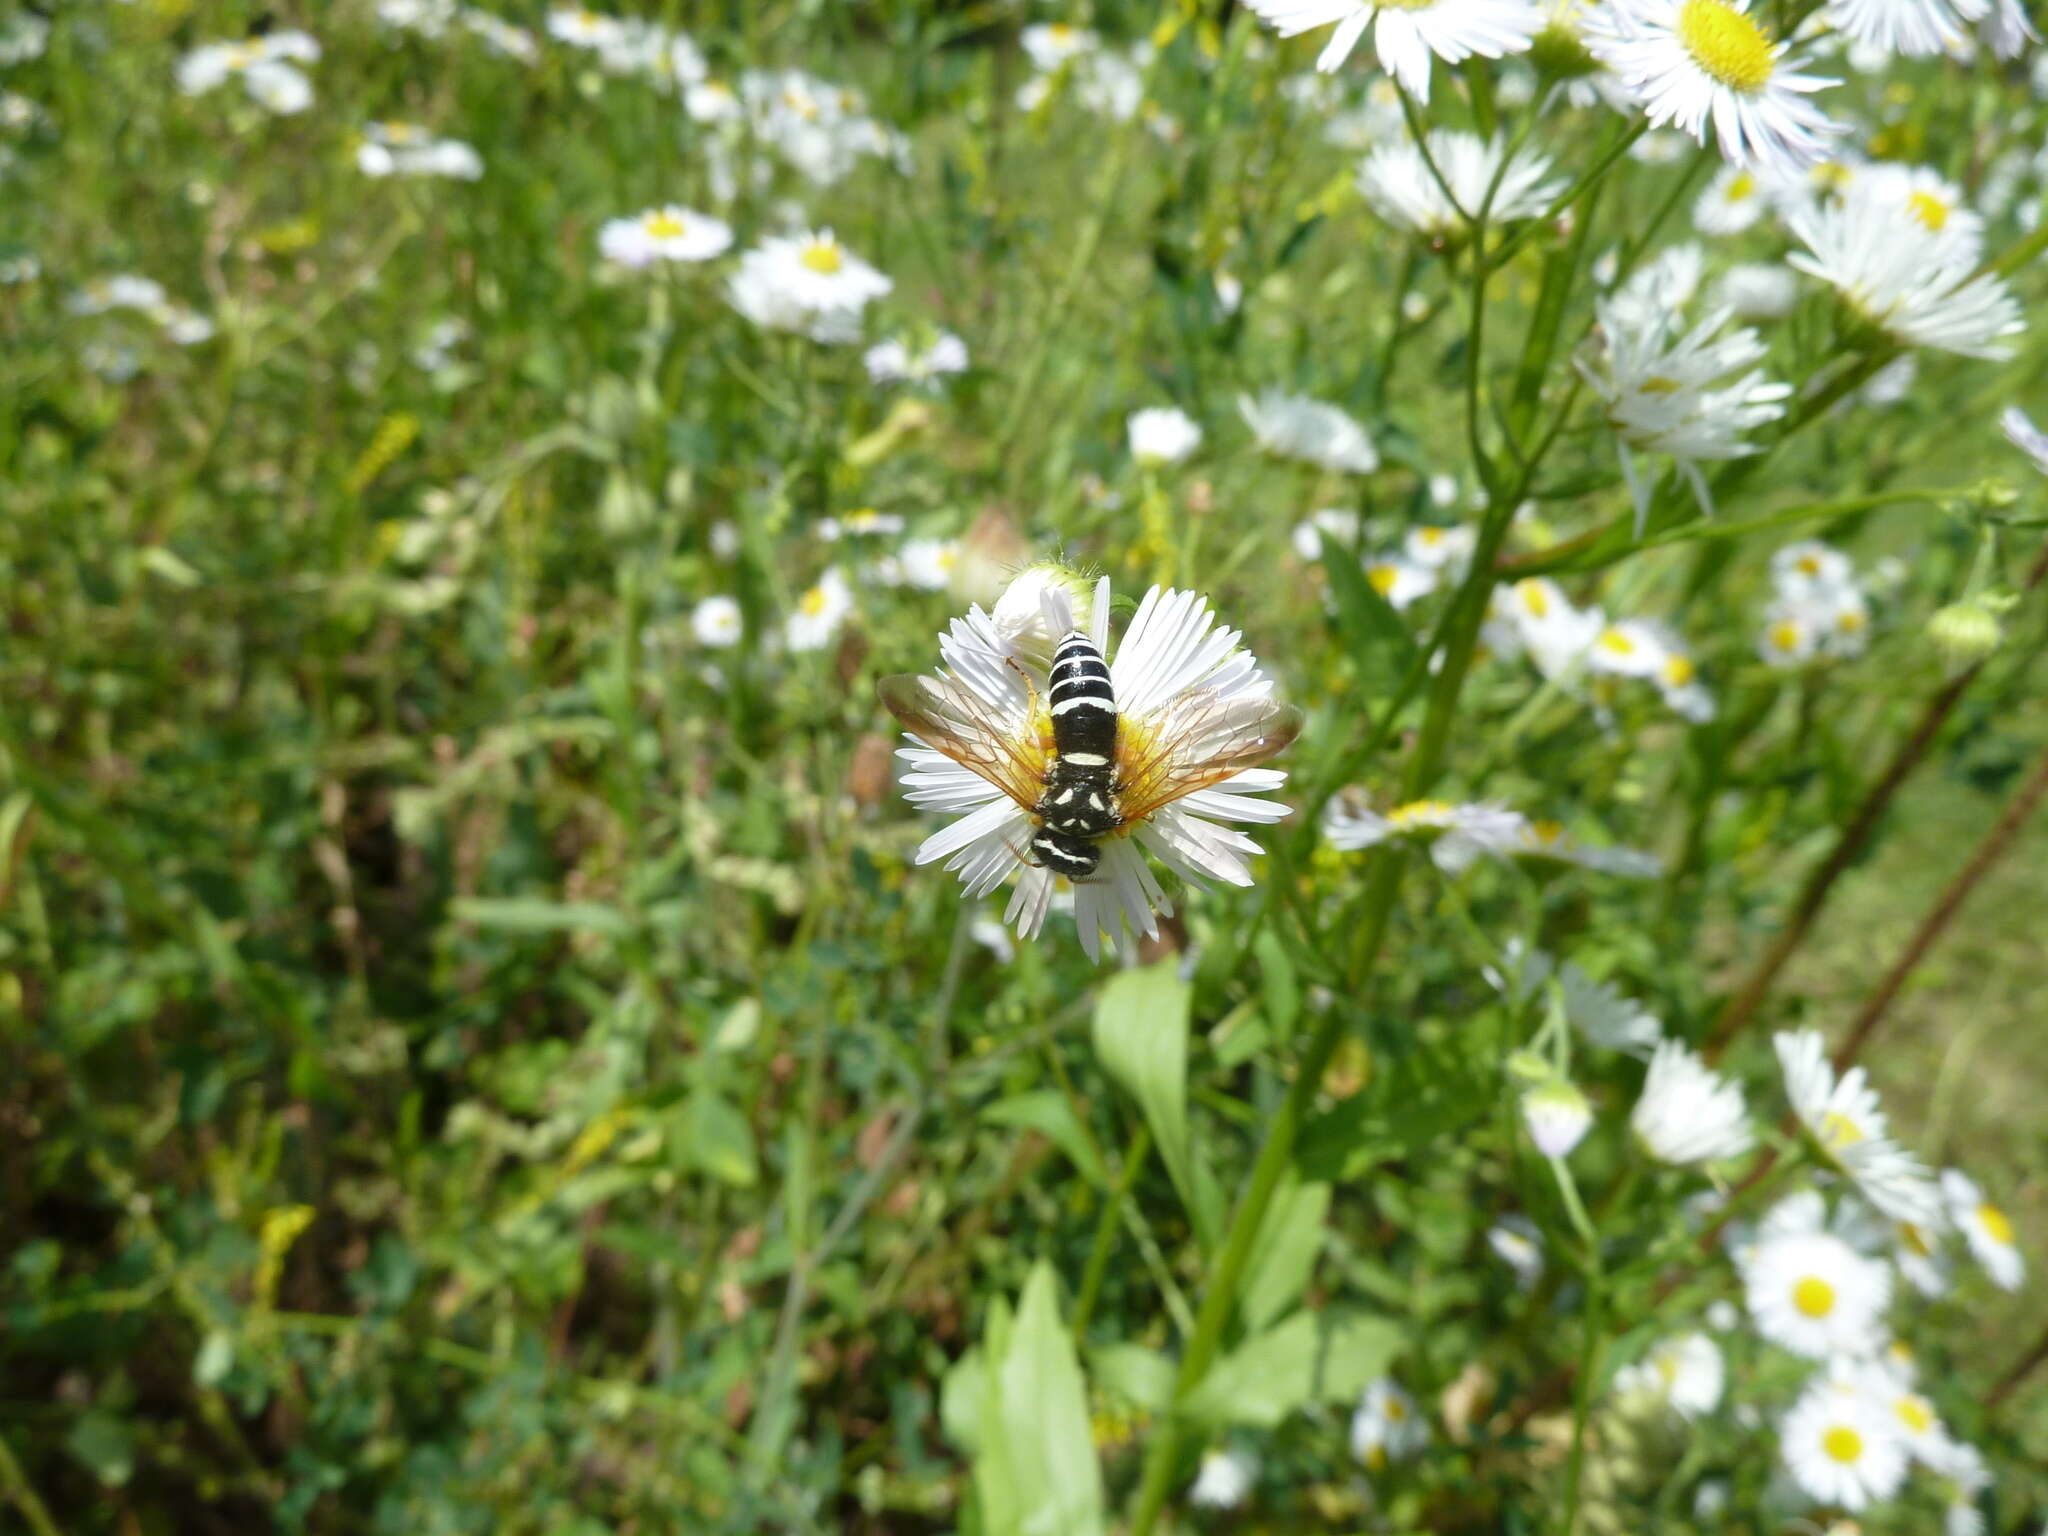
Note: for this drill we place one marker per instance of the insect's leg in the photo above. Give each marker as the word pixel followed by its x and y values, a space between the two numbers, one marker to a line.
pixel 1030 687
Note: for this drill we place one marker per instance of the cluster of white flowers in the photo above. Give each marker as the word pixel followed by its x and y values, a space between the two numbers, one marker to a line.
pixel 1109 82
pixel 144 296
pixel 894 361
pixel 1818 609
pixel 1457 836
pixel 1533 617
pixel 267 66
pixel 402 149
pixel 629 45
pixel 821 129
pixel 437 18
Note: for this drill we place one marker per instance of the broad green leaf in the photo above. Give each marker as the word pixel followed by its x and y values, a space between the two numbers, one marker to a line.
pixel 1035 1471
pixel 718 1139
pixel 1373 633
pixel 1276 981
pixel 105 1444
pixel 1047 1112
pixel 1284 1254
pixel 1143 1377
pixel 525 914
pixel 961 1393
pixel 1141 1038
pixel 1313 1356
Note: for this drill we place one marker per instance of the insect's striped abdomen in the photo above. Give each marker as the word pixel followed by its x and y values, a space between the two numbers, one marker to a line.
pixel 1079 805
pixel 1083 704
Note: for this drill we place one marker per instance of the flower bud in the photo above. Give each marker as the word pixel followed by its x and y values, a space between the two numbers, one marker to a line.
pixel 1557 1115
pixel 1020 613
pixel 1964 633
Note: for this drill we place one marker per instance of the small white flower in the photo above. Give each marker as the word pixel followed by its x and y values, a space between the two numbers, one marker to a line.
pixel 1224 1480
pixel 1051 44
pixel 1809 1292
pixel 1757 290
pixel 716 621
pixel 1840 1448
pixel 819 613
pixel 1927 199
pixel 1789 637
pixel 1548 840
pixel 1314 534
pixel 1456 835
pixel 1534 616
pixel 1684 1373
pixel 1963 1476
pixel 808 283
pixel 1689 1114
pixel 668 233
pixel 1162 435
pixel 928 564
pixel 1846 1124
pixel 1734 200
pixel 1387 1427
pixel 1809 569
pixel 1297 427
pixel 1400 581
pixel 1407 33
pixel 1397 181
pixel 1986 1229
pixel 1518 1244
pixel 400 149
pixel 892 361
pixel 124 290
pixel 861 522
pixel 1557 1116
pixel 1692 62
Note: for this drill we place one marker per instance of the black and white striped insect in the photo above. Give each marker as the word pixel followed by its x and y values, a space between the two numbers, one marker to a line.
pixel 1079 807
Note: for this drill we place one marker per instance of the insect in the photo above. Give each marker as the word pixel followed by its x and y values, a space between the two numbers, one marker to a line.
pixel 1083 770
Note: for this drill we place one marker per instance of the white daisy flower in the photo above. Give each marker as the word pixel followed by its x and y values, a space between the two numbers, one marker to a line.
pixel 1628 648
pixel 1733 201
pixel 1757 290
pixel 123 290
pixel 1845 1123
pixel 1189 701
pixel 1809 569
pixel 1917 1253
pixel 1914 28
pixel 1407 33
pixel 928 564
pixel 668 233
pixel 1789 637
pixel 1387 1427
pixel 1963 1475
pixel 1162 434
pixel 1548 841
pixel 1518 1244
pixel 401 149
pixel 583 28
pixel 1397 181
pixel 1987 1230
pixel 892 361
pixel 1684 1373
pixel 1313 535
pixel 808 283
pixel 1912 1416
pixel 1225 1479
pixel 712 101
pixel 1400 581
pixel 819 613
pixel 861 522
pixel 2007 31
pixel 716 621
pixel 1841 1449
pixel 1534 616
pixel 1930 200
pixel 1811 1293
pixel 1456 835
pixel 1692 62
pixel 1448 550
pixel 2025 436
pixel 1689 1114
pixel 1662 394
pixel 1905 279
pixel 1297 427
pixel 1049 44
pixel 265 65
pixel 1557 1116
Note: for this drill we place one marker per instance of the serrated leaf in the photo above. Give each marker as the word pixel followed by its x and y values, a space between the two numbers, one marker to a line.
pixel 1313 1356
pixel 1047 1112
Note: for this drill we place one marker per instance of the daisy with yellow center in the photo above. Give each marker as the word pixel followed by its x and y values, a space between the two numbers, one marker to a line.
pixel 1387 1427
pixel 1986 1229
pixel 1456 835
pixel 808 283
pixel 1841 1448
pixel 1848 1128
pixel 1692 62
pixel 1408 33
pixel 819 613
pixel 1809 1292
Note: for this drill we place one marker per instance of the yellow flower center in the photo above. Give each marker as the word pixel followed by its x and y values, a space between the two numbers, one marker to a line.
pixel 822 256
pixel 664 225
pixel 1534 598
pixel 1667 1371
pixel 1679 670
pixel 812 602
pixel 1742 187
pixel 1431 536
pixel 1813 1296
pixel 1849 621
pixel 1383 578
pixel 1837 1131
pixel 1843 1444
pixel 1396 1410
pixel 1060 32
pixel 1726 44
pixel 1418 813
pixel 1376 1459
pixel 1658 384
pixel 1547 834
pixel 1785 635
pixel 1614 640
pixel 241 56
pixel 1914 1413
pixel 1996 1224
pixel 1809 565
pixel 1928 209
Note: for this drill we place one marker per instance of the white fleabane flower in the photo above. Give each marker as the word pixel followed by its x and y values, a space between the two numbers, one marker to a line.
pixel 807 283
pixel 819 612
pixel 1400 581
pixel 1907 280
pixel 1397 181
pixel 1987 1230
pixel 2025 436
pixel 1845 1123
pixel 1963 1475
pixel 2006 30
pixel 1684 1373
pixel 1734 200
pixel 668 233
pixel 1694 62
pixel 1190 703
pixel 1809 570
pixel 1407 33
pixel 928 564
pixel 1456 835
pixel 265 65
pixel 1162 434
pixel 1224 1480
pixel 1535 617
pixel 1912 1416
pixel 1557 1116
pixel 892 361
pixel 1811 1293
pixel 1387 1427
pixel 1446 550
pixel 123 290
pixel 1930 200
pixel 1914 28
pixel 1840 1448
pixel 1297 427
pixel 581 27
pixel 716 621
pixel 1547 841
pixel 1669 392
pixel 1688 1113
pixel 401 149
pixel 1050 44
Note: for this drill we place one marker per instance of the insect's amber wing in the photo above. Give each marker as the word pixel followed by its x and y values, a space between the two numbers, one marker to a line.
pixel 951 718
pixel 1198 740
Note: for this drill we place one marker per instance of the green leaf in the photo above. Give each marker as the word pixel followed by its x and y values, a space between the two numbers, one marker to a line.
pixel 1047 1112
pixel 1313 1356
pixel 717 1138
pixel 1289 1240
pixel 1373 633
pixel 1276 981
pixel 1142 1377
pixel 526 914
pixel 105 1444
pixel 1141 1038
pixel 1035 1471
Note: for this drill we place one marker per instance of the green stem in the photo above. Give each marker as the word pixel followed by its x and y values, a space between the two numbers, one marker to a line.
pixel 1105 1231
pixel 14 1482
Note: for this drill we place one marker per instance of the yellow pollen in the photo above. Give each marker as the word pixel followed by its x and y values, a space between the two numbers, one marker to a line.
pixel 813 602
pixel 1061 32
pixel 664 225
pixel 1809 565
pixel 1534 598
pixel 1813 1296
pixel 1396 1409
pixel 1742 187
pixel 1547 834
pixel 1928 209
pixel 1832 173
pixel 1849 621
pixel 1726 44
pixel 1614 640
pixel 1915 1415
pixel 1383 578
pixel 822 256
pixel 1996 1224
pixel 1785 635
pixel 1679 670
pixel 1837 1131
pixel 1843 1444
pixel 1431 536
pixel 1658 384
pixel 1418 813
pixel 1667 1370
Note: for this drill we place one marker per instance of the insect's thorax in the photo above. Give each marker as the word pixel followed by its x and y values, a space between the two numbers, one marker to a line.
pixel 1080 783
